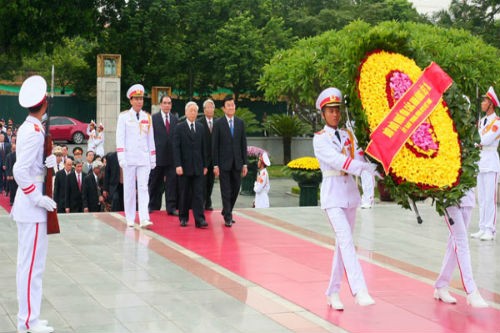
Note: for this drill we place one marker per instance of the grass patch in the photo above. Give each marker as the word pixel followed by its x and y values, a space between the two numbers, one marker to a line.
pixel 276 171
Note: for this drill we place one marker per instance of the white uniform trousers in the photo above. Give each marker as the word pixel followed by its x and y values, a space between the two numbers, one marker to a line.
pixel 342 221
pixel 31 255
pixel 130 175
pixel 368 186
pixel 457 250
pixel 487 198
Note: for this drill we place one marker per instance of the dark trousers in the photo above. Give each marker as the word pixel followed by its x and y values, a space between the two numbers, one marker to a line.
pixel 12 190
pixel 209 186
pixel 116 198
pixel 230 182
pixel 163 179
pixel 191 196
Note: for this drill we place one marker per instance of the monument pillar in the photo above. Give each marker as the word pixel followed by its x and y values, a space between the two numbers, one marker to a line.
pixel 108 96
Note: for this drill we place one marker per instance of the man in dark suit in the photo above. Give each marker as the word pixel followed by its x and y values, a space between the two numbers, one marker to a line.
pixel 92 198
pixel 230 157
pixel 10 160
pixel 190 163
pixel 74 181
pixel 208 123
pixel 163 177
pixel 4 151
pixel 112 188
pixel 60 185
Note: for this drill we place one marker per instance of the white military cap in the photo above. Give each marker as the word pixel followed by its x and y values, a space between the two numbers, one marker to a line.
pixel 137 90
pixel 329 97
pixel 493 97
pixel 265 159
pixel 33 92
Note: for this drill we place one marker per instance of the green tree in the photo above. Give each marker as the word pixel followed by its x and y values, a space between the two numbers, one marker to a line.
pixel 478 16
pixel 68 59
pixel 287 127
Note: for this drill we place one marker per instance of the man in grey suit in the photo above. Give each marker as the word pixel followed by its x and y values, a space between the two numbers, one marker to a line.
pixel 163 177
pixel 229 156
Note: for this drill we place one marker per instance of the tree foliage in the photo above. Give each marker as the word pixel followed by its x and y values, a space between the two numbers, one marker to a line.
pixel 477 16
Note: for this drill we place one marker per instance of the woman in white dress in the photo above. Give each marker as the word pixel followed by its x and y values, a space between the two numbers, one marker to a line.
pixel 99 140
pixel 92 134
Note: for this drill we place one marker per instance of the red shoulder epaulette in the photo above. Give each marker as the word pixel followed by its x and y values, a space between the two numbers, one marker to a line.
pixel 320 132
pixel 37 128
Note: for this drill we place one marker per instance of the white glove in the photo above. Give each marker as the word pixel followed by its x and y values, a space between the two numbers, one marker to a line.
pixel 47 203
pixel 371 168
pixel 122 163
pixel 50 161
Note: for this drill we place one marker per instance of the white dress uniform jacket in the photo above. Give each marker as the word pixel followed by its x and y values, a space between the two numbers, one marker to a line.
pixel 134 139
pixel 490 136
pixel 29 172
pixel 261 188
pixel 338 188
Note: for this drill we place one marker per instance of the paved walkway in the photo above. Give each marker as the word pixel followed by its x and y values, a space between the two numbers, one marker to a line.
pixel 104 277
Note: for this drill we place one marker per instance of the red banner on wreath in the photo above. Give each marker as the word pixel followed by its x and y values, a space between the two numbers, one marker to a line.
pixel 407 114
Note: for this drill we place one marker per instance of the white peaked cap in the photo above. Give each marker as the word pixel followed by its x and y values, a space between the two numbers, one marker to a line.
pixel 33 91
pixel 265 159
pixel 493 97
pixel 330 96
pixel 135 90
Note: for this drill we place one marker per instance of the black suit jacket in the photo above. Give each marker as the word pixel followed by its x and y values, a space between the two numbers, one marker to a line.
pixel 90 193
pixel 111 173
pixel 10 160
pixel 73 199
pixel 163 142
pixel 4 152
pixel 207 140
pixel 229 151
pixel 60 190
pixel 189 149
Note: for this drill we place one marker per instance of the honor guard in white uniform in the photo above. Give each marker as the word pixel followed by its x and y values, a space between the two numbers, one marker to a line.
pixel 262 186
pixel 489 167
pixel 135 148
pixel 335 149
pixel 31 206
pixel 457 252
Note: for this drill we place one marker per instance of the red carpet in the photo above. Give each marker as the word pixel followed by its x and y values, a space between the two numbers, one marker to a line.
pixel 299 271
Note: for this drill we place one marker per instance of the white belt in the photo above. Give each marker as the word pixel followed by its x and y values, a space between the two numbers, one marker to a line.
pixel 333 173
pixel 489 148
pixel 39 179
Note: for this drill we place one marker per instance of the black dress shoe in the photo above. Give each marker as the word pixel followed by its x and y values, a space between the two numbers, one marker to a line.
pixel 184 223
pixel 173 213
pixel 233 221
pixel 228 224
pixel 209 208
pixel 201 224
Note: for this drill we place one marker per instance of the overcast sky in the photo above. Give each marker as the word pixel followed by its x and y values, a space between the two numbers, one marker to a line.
pixel 428 6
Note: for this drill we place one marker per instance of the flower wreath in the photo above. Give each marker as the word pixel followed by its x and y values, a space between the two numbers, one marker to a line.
pixel 430 162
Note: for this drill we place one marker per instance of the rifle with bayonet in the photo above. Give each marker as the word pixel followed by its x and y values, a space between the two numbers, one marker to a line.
pixel 52 219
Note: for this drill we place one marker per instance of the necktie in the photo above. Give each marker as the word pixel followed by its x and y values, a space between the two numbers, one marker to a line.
pixel 210 125
pixel 79 182
pixel 137 115
pixel 167 124
pixel 231 126
pixel 337 134
pixel 485 121
pixel 192 127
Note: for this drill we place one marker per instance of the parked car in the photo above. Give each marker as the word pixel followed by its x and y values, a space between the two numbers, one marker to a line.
pixel 68 129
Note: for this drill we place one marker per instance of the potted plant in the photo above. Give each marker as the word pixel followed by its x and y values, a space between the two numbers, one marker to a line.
pixel 306 172
pixel 247 182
